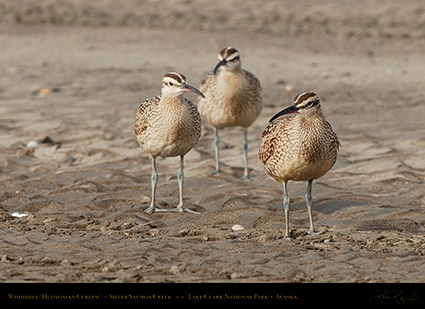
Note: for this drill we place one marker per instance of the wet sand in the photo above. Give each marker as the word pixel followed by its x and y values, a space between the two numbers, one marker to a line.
pixel 73 84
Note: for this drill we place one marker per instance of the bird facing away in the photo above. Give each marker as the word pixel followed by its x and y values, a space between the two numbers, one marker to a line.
pixel 299 145
pixel 232 99
pixel 168 126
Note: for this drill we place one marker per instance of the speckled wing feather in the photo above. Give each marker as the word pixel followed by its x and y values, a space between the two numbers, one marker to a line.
pixel 254 83
pixel 267 144
pixel 195 118
pixel 207 87
pixel 335 144
pixel 143 115
pixel 256 94
pixel 273 139
pixel 204 88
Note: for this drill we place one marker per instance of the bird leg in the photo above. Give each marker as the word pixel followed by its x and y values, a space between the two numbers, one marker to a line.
pixel 180 178
pixel 154 180
pixel 217 154
pixel 309 201
pixel 245 154
pixel 286 208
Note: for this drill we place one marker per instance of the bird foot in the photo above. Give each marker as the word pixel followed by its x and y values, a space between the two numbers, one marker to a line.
pixel 184 209
pixel 216 172
pixel 246 177
pixel 153 209
pixel 288 235
pixel 314 232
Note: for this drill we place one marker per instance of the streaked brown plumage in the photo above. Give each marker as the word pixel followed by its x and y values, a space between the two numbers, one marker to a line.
pixel 232 99
pixel 299 145
pixel 168 126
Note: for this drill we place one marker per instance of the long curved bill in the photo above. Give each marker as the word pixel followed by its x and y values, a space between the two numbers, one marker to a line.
pixel 189 88
pixel 291 109
pixel 222 62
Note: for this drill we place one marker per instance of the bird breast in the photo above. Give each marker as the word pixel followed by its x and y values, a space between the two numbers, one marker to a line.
pixel 230 101
pixel 299 149
pixel 174 128
pixel 229 86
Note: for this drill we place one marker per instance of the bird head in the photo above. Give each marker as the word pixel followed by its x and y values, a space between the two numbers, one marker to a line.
pixel 174 84
pixel 229 60
pixel 304 103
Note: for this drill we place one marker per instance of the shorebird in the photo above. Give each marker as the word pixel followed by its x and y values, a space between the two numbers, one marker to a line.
pixel 168 126
pixel 299 145
pixel 232 99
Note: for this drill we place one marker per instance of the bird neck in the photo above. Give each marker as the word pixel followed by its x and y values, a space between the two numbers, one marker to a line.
pixel 230 82
pixel 311 122
pixel 170 103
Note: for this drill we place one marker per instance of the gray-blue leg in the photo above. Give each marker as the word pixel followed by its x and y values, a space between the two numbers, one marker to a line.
pixel 180 178
pixel 154 180
pixel 245 154
pixel 286 208
pixel 217 151
pixel 309 201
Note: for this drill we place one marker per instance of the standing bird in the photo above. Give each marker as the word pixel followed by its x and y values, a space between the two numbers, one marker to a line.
pixel 168 126
pixel 299 145
pixel 233 99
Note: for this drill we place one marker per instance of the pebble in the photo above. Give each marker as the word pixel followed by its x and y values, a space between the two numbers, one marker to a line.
pixel 237 227
pixel 19 215
pixel 44 91
pixel 288 88
pixel 175 270
pixel 32 144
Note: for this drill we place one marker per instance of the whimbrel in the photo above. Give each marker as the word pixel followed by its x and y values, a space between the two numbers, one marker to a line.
pixel 168 126
pixel 233 99
pixel 299 145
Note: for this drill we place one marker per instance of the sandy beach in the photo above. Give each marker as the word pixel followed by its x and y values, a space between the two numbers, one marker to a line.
pixel 74 182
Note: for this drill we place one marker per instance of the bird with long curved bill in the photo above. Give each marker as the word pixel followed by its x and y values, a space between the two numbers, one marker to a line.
pixel 168 126
pixel 232 99
pixel 299 145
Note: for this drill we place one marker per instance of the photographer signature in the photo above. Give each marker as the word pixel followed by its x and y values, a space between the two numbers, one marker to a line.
pixel 384 296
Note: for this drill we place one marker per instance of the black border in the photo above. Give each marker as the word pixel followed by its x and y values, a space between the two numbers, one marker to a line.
pixel 300 294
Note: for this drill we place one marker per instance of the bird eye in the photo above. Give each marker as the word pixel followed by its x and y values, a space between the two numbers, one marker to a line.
pixel 310 103
pixel 170 83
